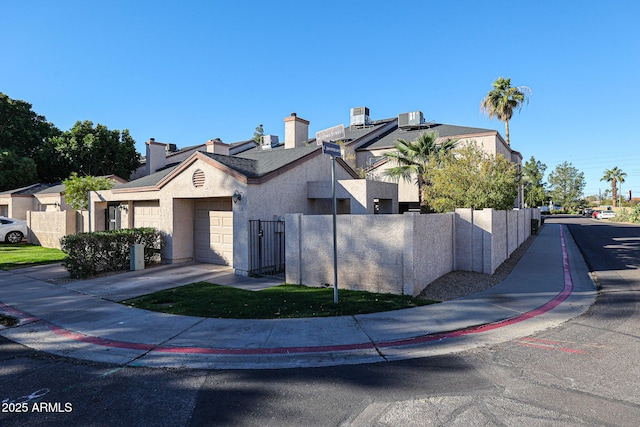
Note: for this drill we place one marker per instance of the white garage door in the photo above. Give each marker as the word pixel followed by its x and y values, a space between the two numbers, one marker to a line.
pixel 146 214
pixel 214 231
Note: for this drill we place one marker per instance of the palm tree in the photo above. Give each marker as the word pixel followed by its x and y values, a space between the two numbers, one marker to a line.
pixel 412 159
pixel 503 99
pixel 614 176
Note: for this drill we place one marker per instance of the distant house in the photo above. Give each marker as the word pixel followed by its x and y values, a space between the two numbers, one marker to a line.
pixel 37 198
pixel 44 209
pixel 15 203
pixel 369 151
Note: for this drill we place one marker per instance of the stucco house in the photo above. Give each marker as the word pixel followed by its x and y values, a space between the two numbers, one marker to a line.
pixel 369 151
pixel 204 203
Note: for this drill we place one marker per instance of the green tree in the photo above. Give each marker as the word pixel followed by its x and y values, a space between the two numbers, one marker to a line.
pixel 411 160
pixel 24 135
pixel 614 176
pixel 76 189
pixel 502 100
pixel 566 186
pixel 532 174
pixel 472 178
pixel 22 130
pixel 16 171
pixel 258 134
pixel 89 150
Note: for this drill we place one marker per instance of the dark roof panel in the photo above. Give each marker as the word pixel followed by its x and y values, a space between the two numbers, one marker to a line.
pixel 267 161
pixel 351 134
pixel 443 130
pixel 31 189
pixel 56 188
pixel 148 180
pixel 246 167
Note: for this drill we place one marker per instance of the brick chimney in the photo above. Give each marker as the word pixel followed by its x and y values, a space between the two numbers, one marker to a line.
pixel 217 146
pixel 156 155
pixel 296 130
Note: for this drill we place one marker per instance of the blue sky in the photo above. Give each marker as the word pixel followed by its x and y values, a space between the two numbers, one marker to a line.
pixel 188 71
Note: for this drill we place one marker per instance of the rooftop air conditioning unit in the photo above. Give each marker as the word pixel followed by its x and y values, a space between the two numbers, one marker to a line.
pixel 360 117
pixel 269 141
pixel 414 119
pixel 171 148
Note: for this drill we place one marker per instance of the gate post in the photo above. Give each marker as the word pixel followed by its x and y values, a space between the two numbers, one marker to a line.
pixel 292 252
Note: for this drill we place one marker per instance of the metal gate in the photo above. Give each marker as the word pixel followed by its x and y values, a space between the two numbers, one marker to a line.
pixel 266 248
pixel 113 217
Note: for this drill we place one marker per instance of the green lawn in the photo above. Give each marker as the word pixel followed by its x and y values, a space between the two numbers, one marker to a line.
pixel 25 255
pixel 286 301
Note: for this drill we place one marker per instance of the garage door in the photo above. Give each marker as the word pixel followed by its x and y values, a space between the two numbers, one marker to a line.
pixel 214 232
pixel 146 214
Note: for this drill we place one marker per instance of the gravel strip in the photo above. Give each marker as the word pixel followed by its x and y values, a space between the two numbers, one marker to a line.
pixel 462 283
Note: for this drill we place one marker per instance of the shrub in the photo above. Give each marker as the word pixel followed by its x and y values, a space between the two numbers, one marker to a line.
pixel 626 215
pixel 88 254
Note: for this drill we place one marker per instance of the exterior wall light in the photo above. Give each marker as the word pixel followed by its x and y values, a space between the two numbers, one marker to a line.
pixel 237 196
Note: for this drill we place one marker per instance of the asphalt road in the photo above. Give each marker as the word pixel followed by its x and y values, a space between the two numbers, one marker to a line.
pixel 584 372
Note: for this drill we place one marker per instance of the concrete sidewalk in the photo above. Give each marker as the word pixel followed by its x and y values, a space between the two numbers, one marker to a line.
pixel 81 319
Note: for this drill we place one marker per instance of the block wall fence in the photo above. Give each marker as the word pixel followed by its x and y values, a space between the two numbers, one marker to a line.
pixel 401 254
pixel 47 228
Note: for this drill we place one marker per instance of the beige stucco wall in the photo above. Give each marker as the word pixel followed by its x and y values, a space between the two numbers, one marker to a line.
pixel 486 238
pixel 47 228
pixel 50 202
pixel 428 249
pixel 18 205
pixel 400 254
pixel 361 195
pixel 370 249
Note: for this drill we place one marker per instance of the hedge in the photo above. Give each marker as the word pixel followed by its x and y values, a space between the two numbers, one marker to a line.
pixel 88 254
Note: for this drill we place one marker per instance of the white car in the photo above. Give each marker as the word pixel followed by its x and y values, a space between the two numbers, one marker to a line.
pixel 605 215
pixel 12 230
